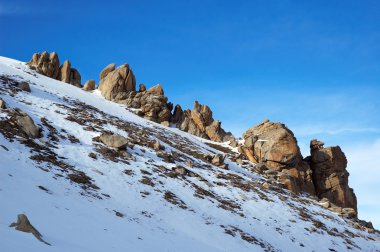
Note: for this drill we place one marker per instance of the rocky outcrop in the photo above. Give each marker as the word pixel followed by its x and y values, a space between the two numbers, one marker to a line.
pixel 330 175
pixel 118 83
pixel 274 145
pixel 89 85
pixel 23 224
pixel 200 122
pixel 48 65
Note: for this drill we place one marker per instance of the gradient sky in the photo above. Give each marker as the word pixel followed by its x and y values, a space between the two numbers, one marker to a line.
pixel 313 65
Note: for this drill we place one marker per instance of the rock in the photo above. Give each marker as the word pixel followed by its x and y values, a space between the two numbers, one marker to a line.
pixel 234 143
pixel 24 86
pixel 25 122
pixel 188 163
pixel 180 170
pixel 142 88
pixel 165 123
pixel 107 70
pixel 46 64
pixel 274 145
pixel 224 166
pixel 325 203
pixel 2 104
pixel 218 159
pixel 330 175
pixel 75 78
pixel 200 122
pixel 114 140
pixel 65 70
pixel 117 84
pixel 157 146
pixel 23 224
pixel 266 185
pixel 156 90
pixel 89 85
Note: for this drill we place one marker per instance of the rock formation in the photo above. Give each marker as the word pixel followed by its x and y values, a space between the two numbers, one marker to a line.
pixel 2 104
pixel 89 85
pixel 200 122
pixel 116 84
pixel 48 65
pixel 274 145
pixel 330 175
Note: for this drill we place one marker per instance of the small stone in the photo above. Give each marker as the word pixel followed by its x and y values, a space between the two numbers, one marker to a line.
pixel 24 86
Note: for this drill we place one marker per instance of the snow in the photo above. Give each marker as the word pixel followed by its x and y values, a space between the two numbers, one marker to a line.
pixel 72 219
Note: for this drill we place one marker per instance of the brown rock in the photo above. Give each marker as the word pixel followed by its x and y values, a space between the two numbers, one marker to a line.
pixel 2 104
pixel 24 86
pixel 156 90
pixel 46 64
pixel 116 85
pixel 157 146
pixel 89 85
pixel 142 88
pixel 330 175
pixel 275 145
pixel 218 159
pixel 107 70
pixel 65 71
pixel 114 140
pixel 23 224
pixel 75 78
pixel 26 124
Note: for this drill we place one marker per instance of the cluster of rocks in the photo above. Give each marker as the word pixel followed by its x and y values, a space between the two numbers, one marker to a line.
pixel 199 122
pixel 274 150
pixel 48 65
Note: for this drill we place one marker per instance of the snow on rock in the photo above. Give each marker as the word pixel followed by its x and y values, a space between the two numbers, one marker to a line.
pixel 84 195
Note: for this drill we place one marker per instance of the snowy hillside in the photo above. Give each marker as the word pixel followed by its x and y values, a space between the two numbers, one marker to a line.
pixel 161 193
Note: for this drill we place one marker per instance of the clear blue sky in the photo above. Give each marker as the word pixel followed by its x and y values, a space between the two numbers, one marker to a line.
pixel 314 65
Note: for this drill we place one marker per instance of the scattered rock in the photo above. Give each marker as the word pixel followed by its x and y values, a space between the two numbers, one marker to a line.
pixel 157 146
pixel 23 224
pixel 89 85
pixel 114 140
pixel 24 86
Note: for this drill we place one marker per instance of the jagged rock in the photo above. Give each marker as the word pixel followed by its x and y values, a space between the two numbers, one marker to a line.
pixel 330 175
pixel 65 71
pixel 24 86
pixel 114 140
pixel 75 78
pixel 199 122
pixel 234 143
pixel 107 70
pixel 275 145
pixel 156 90
pixel 2 104
pixel 46 64
pixel 89 85
pixel 23 224
pixel 26 124
pixel 142 88
pixel 116 85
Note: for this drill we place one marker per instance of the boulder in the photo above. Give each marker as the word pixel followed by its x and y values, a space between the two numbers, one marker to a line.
pixel 23 224
pixel 24 86
pixel 65 70
pixel 2 104
pixel 107 70
pixel 89 85
pixel 26 124
pixel 218 159
pixel 46 64
pixel 142 88
pixel 75 78
pixel 330 175
pixel 117 84
pixel 273 144
pixel 114 140
pixel 156 90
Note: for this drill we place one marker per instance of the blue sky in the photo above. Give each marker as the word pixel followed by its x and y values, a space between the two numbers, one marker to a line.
pixel 313 65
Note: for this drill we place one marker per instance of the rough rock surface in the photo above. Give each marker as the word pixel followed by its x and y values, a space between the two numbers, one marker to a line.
pixel 107 70
pixel 2 104
pixel 330 175
pixel 89 85
pixel 23 224
pixel 48 65
pixel 200 122
pixel 273 144
pixel 116 84
pixel 114 140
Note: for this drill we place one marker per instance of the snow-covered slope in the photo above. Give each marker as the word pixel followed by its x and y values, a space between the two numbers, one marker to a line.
pixel 84 196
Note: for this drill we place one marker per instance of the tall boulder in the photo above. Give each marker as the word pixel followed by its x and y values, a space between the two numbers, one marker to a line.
pixel 89 85
pixel 117 84
pixel 273 144
pixel 330 175
pixel 200 122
